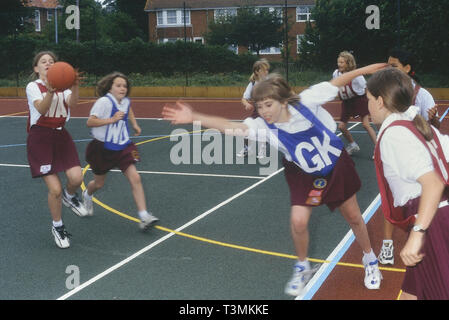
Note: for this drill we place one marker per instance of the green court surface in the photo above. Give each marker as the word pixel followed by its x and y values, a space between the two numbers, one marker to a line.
pixel 224 211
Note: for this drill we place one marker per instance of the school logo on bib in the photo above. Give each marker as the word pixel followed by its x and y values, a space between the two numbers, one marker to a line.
pixel 320 183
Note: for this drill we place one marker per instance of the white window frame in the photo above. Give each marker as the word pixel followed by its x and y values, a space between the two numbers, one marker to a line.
pixel 37 20
pixel 224 12
pixel 304 11
pixel 198 40
pixel 271 50
pixel 50 14
pixel 163 16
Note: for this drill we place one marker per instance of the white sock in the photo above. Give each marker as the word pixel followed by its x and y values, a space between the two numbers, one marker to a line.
pixel 57 223
pixel 353 144
pixel 143 214
pixel 369 257
pixel 87 195
pixel 305 264
pixel 70 196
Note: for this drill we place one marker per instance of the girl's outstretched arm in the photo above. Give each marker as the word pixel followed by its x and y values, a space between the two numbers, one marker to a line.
pixel 348 76
pixel 183 113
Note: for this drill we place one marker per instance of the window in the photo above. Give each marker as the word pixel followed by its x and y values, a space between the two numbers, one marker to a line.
pixel 224 13
pixel 49 14
pixel 198 40
pixel 37 20
pixel 303 13
pixel 298 42
pixel 173 17
pixel 272 50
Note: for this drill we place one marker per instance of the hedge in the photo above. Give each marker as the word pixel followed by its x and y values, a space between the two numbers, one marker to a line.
pixel 135 56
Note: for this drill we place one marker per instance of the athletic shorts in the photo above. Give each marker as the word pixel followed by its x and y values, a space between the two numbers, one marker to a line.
pixel 357 106
pixel 50 151
pixel 102 160
pixel 332 190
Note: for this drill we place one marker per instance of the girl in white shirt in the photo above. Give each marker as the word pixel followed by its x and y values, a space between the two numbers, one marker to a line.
pixel 112 146
pixel 261 68
pixel 404 61
pixel 50 148
pixel 412 171
pixel 354 102
pixel 317 168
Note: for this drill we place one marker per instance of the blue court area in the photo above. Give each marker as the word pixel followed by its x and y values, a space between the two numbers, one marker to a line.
pixel 224 231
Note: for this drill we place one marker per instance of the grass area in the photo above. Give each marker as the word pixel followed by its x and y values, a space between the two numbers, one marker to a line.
pixel 296 78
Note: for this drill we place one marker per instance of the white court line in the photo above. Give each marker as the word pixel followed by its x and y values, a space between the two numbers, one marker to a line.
pixel 161 172
pixel 153 244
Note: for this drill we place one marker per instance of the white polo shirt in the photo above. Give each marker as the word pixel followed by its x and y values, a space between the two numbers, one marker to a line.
pixel 405 158
pixel 312 98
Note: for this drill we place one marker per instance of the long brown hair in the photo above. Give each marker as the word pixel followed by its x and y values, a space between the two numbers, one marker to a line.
pixel 274 87
pixel 259 64
pixel 396 90
pixel 105 83
pixel 37 57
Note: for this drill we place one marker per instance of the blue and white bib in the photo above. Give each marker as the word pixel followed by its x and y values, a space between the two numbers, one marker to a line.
pixel 315 150
pixel 117 134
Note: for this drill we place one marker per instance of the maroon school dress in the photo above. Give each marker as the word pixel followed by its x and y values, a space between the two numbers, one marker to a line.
pixel 429 279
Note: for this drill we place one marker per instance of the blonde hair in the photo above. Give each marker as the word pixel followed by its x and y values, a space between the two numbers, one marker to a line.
pixel 105 83
pixel 37 57
pixel 259 64
pixel 396 89
pixel 274 87
pixel 349 59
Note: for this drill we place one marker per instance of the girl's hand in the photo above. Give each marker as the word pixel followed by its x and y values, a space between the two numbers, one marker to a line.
pixel 50 89
pixel 411 253
pixel 118 116
pixel 249 107
pixel 432 112
pixel 137 129
pixel 178 113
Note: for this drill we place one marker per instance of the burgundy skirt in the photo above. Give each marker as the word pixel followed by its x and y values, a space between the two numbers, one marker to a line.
pixel 429 279
pixel 102 160
pixel 50 151
pixel 331 190
pixel 357 106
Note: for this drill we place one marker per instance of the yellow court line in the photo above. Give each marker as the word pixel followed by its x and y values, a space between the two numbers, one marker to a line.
pixel 223 244
pixel 13 114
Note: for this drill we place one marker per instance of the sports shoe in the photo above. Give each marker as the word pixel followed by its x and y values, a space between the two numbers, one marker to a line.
pixel 301 275
pixel 352 148
pixel 386 255
pixel 61 236
pixel 262 153
pixel 243 153
pixel 88 203
pixel 147 222
pixel 75 204
pixel 373 277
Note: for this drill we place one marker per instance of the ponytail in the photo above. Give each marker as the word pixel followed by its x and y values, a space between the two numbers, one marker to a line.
pixel 423 127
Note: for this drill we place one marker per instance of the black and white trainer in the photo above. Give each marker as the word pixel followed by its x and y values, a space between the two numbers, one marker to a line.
pixel 61 236
pixel 75 204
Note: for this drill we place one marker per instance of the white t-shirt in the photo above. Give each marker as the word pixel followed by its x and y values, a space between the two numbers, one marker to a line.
pixel 102 109
pixel 312 98
pixel 358 85
pixel 424 101
pixel 56 109
pixel 405 158
pixel 248 90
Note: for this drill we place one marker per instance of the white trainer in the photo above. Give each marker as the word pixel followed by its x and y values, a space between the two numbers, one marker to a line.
pixel 373 277
pixel 301 275
pixel 75 204
pixel 352 148
pixel 88 203
pixel 61 236
pixel 147 222
pixel 386 255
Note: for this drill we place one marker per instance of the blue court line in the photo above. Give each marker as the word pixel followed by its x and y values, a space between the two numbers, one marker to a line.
pixel 311 292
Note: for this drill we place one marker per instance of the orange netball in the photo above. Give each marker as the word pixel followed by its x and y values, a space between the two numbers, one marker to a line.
pixel 61 75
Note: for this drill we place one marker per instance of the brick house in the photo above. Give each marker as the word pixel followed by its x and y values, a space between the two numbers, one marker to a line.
pixel 44 11
pixel 166 19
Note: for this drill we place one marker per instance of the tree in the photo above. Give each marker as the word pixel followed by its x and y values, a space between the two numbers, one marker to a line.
pixel 14 16
pixel 340 25
pixel 253 28
pixel 135 10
